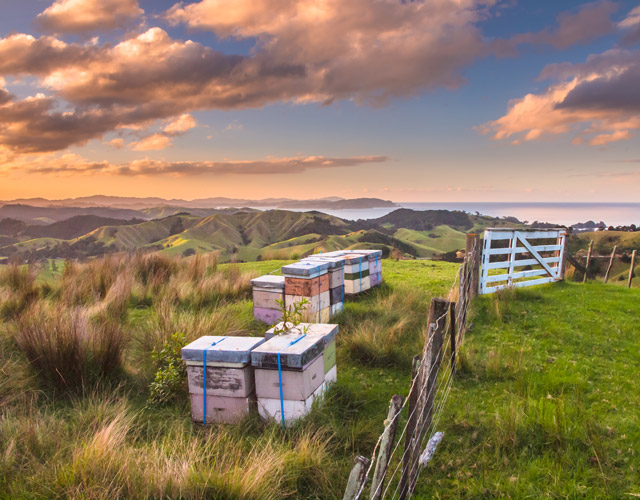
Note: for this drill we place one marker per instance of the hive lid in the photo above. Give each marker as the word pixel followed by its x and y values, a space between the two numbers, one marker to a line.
pixel 292 355
pixel 229 350
pixel 354 258
pixel 305 269
pixel 334 262
pixel 268 281
pixel 372 254
pixel 327 331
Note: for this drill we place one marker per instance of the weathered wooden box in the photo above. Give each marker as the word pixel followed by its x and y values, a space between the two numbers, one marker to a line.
pixel 336 268
pixel 230 383
pixel 337 308
pixel 354 287
pixel 268 282
pixel 293 356
pixel 306 270
pixel 222 410
pixel 313 304
pixel 270 408
pixel 306 286
pixel 296 385
pixel 267 299
pixel 331 377
pixel 269 316
pixel 336 294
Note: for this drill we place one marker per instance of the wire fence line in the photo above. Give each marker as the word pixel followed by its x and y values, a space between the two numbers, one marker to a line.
pixel 396 475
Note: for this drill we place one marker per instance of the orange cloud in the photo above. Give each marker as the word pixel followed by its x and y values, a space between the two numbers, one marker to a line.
pixel 151 143
pixel 180 125
pixel 73 164
pixel 599 100
pixel 82 16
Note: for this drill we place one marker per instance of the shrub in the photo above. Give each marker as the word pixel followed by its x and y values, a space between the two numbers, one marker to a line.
pixel 171 371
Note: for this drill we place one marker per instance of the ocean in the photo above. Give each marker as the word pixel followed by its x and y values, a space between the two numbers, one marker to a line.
pixel 612 214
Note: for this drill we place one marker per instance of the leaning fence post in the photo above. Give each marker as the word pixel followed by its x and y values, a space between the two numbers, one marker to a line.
pixel 586 267
pixel 633 264
pixel 385 447
pixel 357 478
pixel 472 250
pixel 426 379
pixel 452 333
pixel 613 256
pixel 411 418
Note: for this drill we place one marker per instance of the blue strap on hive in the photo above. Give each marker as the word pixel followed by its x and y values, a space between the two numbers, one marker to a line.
pixel 204 379
pixel 360 267
pixel 319 298
pixel 280 377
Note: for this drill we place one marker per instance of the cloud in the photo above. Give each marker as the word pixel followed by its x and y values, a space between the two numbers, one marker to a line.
pixel 591 21
pixel 304 51
pixel 180 125
pixel 73 164
pixel 151 143
pixel 598 100
pixel 117 143
pixel 83 16
pixel 631 26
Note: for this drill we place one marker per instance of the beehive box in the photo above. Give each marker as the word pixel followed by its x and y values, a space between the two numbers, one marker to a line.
pixel 230 382
pixel 301 371
pixel 375 265
pixel 328 334
pixel 336 267
pixel 356 274
pixel 267 290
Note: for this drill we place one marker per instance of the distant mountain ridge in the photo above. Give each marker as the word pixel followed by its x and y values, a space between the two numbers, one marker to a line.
pixel 135 203
pixel 236 234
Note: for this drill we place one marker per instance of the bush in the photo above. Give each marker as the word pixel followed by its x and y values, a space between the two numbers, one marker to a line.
pixel 171 371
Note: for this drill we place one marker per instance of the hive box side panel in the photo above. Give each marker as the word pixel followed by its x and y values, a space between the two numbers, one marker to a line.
pixel 227 382
pixel 296 385
pixel 267 300
pixel 329 356
pixel 306 287
pixel 222 410
pixel 269 408
pixel 331 377
pixel 269 316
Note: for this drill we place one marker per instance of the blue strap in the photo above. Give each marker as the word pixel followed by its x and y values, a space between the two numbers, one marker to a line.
pixel 360 267
pixel 280 377
pixel 319 297
pixel 204 379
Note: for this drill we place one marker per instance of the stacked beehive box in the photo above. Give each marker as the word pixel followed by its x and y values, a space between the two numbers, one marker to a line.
pixel 375 265
pixel 328 334
pixel 289 374
pixel 336 280
pixel 221 378
pixel 356 273
pixel 267 291
pixel 308 281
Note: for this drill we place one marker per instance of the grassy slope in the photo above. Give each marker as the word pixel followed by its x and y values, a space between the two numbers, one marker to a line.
pixel 543 404
pixel 547 405
pixel 446 239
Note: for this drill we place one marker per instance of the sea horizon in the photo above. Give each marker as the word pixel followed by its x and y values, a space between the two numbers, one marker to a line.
pixel 564 213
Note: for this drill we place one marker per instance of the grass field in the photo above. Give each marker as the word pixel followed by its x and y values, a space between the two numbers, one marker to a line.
pixel 544 403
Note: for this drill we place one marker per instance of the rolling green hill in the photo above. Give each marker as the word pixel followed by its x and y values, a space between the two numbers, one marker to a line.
pixel 247 234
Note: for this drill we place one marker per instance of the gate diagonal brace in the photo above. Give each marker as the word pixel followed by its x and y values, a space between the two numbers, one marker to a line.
pixel 536 255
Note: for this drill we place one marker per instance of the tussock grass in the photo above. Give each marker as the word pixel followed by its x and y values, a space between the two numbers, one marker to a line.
pixel 68 347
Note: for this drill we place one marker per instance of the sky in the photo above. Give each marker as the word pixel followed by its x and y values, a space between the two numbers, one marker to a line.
pixel 411 101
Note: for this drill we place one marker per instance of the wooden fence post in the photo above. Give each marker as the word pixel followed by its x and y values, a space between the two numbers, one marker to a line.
pixel 633 264
pixel 357 477
pixel 411 419
pixel 613 256
pixel 564 254
pixel 472 251
pixel 426 381
pixel 452 333
pixel 586 267
pixel 385 447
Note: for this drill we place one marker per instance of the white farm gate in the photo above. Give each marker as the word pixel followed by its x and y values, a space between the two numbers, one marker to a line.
pixel 521 257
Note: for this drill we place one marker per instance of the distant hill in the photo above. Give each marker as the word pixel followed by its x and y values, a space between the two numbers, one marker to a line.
pixel 240 234
pixel 44 215
pixel 75 226
pixel 134 203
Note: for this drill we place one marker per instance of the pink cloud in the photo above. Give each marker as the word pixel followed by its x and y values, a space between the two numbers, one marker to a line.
pixel 153 142
pixel 598 100
pixel 82 16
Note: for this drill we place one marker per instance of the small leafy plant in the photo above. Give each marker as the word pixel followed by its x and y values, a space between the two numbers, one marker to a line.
pixel 171 372
pixel 291 317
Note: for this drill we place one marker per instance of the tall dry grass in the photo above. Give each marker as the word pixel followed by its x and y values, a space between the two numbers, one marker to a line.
pixel 68 347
